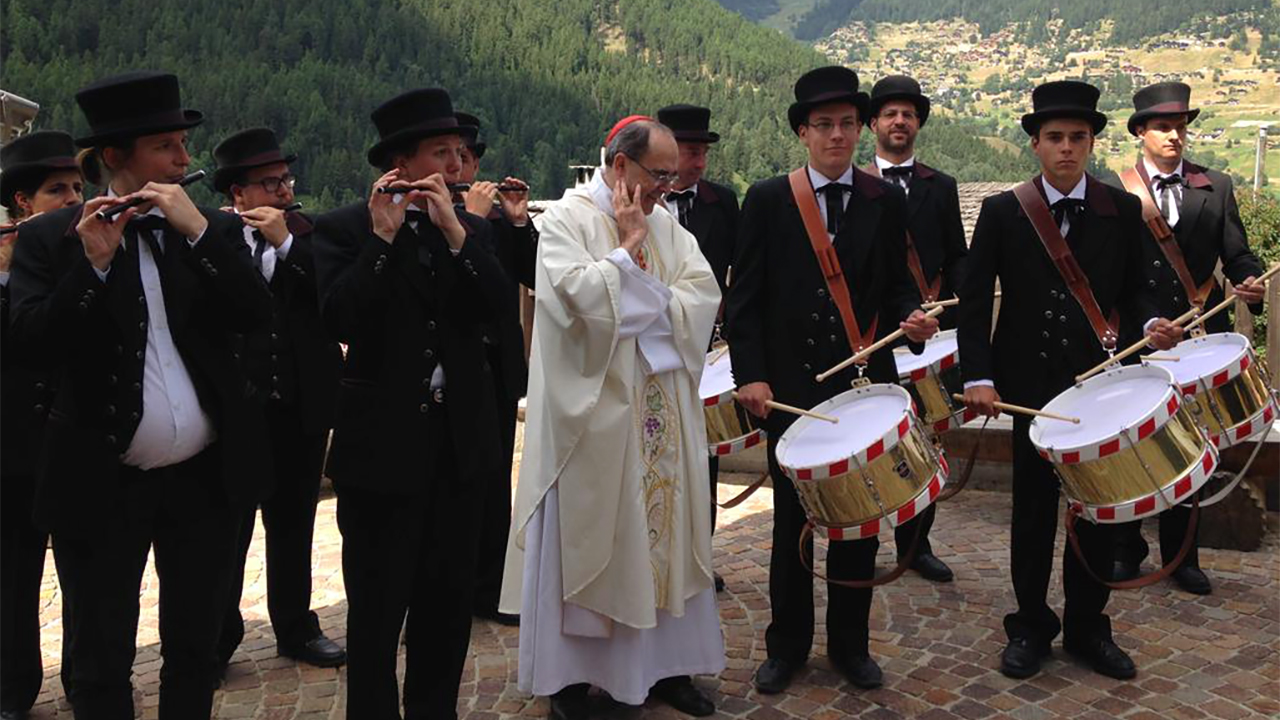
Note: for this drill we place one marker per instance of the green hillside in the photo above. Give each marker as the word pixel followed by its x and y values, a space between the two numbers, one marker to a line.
pixel 547 78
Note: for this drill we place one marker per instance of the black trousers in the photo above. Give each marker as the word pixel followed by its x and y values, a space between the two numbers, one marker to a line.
pixel 903 534
pixel 415 556
pixel 289 516
pixel 1132 547
pixel 180 511
pixel 1031 548
pixel 790 632
pixel 713 466
pixel 495 515
pixel 22 550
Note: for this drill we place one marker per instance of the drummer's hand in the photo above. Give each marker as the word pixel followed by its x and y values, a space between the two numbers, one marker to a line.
pixel 1163 334
pixel 982 399
pixel 919 327
pixel 1251 291
pixel 753 397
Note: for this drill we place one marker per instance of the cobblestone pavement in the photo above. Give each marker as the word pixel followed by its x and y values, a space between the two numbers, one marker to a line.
pixel 939 645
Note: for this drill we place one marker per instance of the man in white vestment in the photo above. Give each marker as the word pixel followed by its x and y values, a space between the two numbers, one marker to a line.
pixel 609 562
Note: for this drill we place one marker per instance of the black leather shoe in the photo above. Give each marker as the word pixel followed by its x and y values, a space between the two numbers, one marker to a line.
pixel 1021 658
pixel 13 715
pixel 774 676
pixel 571 703
pixel 501 618
pixel 931 568
pixel 1125 570
pixel 1193 580
pixel 719 583
pixel 861 671
pixel 319 651
pixel 680 693
pixel 1104 656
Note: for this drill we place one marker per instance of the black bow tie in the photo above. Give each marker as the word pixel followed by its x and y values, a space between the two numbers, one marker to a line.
pixel 1167 181
pixel 834 193
pixel 898 172
pixel 681 195
pixel 1066 207
pixel 416 216
pixel 148 223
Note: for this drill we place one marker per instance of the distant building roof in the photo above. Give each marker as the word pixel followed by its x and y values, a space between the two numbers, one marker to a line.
pixel 971 196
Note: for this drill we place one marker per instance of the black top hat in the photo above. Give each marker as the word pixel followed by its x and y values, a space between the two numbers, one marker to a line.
pixel 897 87
pixel 243 151
pixel 822 86
pixel 467 120
pixel 414 115
pixel 1166 98
pixel 32 156
pixel 1064 99
pixel 689 123
pixel 133 105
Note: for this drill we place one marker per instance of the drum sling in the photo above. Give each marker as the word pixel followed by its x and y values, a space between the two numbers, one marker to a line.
pixel 1137 183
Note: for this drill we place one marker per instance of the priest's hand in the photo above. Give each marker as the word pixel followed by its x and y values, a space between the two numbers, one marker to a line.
pixel 919 327
pixel 100 238
pixel 633 228
pixel 479 199
pixel 754 397
pixel 981 399
pixel 1162 334
pixel 269 221
pixel 1251 291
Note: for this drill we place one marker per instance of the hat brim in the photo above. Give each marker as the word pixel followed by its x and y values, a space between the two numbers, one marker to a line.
pixel 1143 116
pixel 798 113
pixel 19 174
pixel 478 149
pixel 191 119
pixel 696 136
pixel 377 153
pixel 224 177
pixel 1031 122
pixel 920 101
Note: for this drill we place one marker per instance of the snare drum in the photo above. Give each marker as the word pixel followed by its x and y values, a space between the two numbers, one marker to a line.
pixel 873 470
pixel 1225 386
pixel 1137 450
pixel 730 428
pixel 931 377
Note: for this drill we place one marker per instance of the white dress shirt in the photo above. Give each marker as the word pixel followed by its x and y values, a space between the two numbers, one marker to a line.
pixel 173 427
pixel 1052 195
pixel 1155 174
pixel 904 183
pixel 819 181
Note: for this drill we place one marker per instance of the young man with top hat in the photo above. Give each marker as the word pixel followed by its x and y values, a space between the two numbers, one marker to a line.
pixel 38 174
pixel 935 242
pixel 787 323
pixel 408 283
pixel 1199 226
pixel 295 363
pixel 1048 333
pixel 515 242
pixel 155 440
pixel 706 209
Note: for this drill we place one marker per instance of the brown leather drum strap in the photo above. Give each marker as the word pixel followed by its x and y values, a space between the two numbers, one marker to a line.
pixel 741 497
pixel 928 291
pixel 953 488
pixel 904 562
pixel 802 190
pixel 1051 237
pixel 1073 513
pixel 1137 182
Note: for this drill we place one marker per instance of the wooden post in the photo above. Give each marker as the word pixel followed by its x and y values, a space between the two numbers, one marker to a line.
pixel 1273 332
pixel 1244 320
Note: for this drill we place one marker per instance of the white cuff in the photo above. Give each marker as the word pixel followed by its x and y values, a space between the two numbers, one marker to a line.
pixel 1146 326
pixel 4 278
pixel 644 298
pixel 192 241
pixel 102 274
pixel 283 251
pixel 979 383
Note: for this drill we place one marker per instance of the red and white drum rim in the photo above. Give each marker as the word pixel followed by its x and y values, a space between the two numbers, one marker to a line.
pixel 913 508
pixel 951 422
pixel 937 366
pixel 1173 493
pixel 1138 431
pixel 1258 424
pixel 1222 377
pixel 737 445
pixel 862 457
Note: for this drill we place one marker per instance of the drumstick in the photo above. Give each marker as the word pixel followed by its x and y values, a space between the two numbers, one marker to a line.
pixel 947 303
pixel 861 354
pixel 797 411
pixel 1025 410
pixel 1162 358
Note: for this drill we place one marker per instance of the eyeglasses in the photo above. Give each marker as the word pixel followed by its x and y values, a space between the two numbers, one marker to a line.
pixel 662 177
pixel 272 184
pixel 826 126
